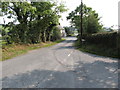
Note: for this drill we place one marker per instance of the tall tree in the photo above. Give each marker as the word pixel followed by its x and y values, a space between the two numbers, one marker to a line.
pixel 36 19
pixel 22 11
pixel 90 18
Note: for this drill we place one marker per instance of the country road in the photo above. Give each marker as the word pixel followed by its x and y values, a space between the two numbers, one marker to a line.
pixel 60 66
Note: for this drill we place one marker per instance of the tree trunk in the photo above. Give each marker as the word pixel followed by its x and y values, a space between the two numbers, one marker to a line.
pixel 43 36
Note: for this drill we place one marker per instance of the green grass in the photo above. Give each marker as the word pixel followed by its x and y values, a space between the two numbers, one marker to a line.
pixel 11 51
pixel 98 50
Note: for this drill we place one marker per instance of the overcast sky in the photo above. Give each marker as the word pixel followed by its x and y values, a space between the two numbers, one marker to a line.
pixel 107 9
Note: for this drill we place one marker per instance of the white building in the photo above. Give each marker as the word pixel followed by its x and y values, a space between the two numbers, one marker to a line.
pixel 62 30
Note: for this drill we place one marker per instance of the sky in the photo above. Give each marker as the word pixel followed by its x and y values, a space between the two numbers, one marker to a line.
pixel 107 9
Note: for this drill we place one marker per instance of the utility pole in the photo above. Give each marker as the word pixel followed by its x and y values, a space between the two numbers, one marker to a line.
pixel 81 24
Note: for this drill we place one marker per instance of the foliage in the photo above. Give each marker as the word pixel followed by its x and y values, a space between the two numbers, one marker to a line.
pixel 36 20
pixel 118 44
pixel 90 18
pixel 99 50
pixel 104 44
pixel 5 39
pixel 56 34
pixel 105 39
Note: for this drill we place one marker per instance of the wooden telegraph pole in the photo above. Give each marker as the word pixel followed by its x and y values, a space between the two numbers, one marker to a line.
pixel 81 24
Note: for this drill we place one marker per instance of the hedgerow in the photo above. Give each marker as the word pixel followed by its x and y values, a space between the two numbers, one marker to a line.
pixel 105 39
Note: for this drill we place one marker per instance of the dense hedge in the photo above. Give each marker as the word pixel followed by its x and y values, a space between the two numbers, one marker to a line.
pixel 118 44
pixel 105 39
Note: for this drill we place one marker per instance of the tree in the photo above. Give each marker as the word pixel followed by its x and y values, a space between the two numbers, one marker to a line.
pixel 36 20
pixel 22 12
pixel 49 16
pixel 93 25
pixel 90 18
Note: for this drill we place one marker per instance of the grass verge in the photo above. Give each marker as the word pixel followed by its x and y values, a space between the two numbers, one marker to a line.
pixel 98 50
pixel 11 51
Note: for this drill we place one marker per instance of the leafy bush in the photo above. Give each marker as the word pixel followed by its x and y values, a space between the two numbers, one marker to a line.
pixel 105 44
pixel 118 40
pixel 56 35
pixel 118 44
pixel 105 39
pixel 5 39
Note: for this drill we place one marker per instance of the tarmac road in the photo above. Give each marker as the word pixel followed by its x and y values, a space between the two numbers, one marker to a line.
pixel 60 66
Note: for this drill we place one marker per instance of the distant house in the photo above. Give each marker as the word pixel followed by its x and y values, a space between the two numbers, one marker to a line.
pixel 62 30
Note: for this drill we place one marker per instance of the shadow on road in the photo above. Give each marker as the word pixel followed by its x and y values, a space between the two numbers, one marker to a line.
pixel 98 74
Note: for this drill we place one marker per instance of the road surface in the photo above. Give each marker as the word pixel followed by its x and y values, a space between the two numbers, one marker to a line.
pixel 60 66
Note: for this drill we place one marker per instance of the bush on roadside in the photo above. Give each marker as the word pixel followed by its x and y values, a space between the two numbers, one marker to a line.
pixel 118 44
pixel 105 39
pixel 56 34
pixel 105 44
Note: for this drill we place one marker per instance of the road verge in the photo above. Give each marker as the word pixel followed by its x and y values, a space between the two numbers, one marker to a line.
pixel 11 51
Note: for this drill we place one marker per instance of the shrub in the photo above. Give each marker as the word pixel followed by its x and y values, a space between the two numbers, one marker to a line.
pixel 56 34
pixel 105 39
